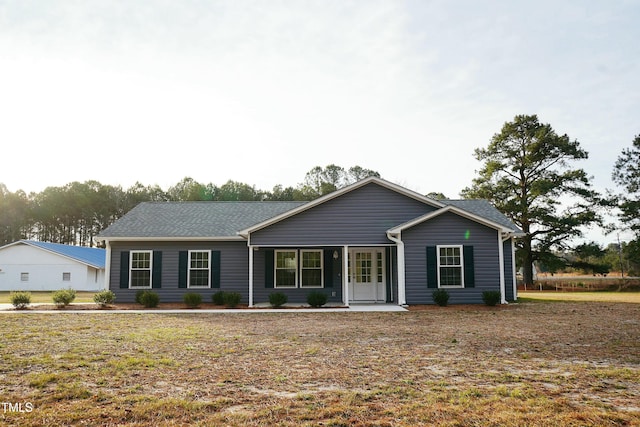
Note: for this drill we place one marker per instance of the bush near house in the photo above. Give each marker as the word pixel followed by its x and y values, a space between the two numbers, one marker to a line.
pixel 218 298
pixel 441 297
pixel 148 299
pixel 316 299
pixel 64 297
pixel 491 298
pixel 192 300
pixel 231 299
pixel 228 299
pixel 20 300
pixel 277 299
pixel 104 298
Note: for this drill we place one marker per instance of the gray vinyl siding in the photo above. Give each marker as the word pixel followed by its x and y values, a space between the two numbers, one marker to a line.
pixel 234 276
pixel 451 229
pixel 295 295
pixel 360 217
pixel 508 271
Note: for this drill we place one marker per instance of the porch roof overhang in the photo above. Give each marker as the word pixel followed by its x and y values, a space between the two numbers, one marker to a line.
pixel 401 190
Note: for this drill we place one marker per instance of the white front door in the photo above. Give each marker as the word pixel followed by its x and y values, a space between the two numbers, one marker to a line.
pixel 366 275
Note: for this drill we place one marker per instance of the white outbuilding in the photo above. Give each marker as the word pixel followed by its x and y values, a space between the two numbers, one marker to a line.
pixel 29 265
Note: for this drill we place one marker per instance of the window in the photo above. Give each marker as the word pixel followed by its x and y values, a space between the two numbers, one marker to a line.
pixel 450 270
pixel 24 277
pixel 363 267
pixel 66 277
pixel 199 272
pixel 286 269
pixel 140 269
pixel 311 270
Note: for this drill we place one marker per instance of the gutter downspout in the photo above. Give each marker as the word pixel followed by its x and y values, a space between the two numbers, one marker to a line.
pixel 402 299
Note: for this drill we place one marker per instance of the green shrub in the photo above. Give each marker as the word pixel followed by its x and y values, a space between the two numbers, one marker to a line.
pixel 316 298
pixel 149 299
pixel 104 298
pixel 218 298
pixel 20 300
pixel 139 296
pixel 64 297
pixel 192 300
pixel 441 297
pixel 277 299
pixel 231 299
pixel 491 298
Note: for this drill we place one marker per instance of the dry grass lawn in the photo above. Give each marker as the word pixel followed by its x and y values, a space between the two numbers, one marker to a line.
pixel 631 297
pixel 537 364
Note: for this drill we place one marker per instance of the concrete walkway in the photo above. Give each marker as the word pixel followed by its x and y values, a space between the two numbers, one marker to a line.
pixel 8 308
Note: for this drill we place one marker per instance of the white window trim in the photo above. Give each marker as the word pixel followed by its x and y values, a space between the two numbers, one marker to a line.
pixel 302 251
pixel 461 285
pixel 275 269
pixel 131 269
pixel 189 269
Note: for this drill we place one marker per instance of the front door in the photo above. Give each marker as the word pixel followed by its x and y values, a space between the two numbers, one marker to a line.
pixel 366 275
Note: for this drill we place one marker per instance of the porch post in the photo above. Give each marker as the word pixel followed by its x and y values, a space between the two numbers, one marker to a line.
pixel 250 276
pixel 513 269
pixel 503 299
pixel 345 274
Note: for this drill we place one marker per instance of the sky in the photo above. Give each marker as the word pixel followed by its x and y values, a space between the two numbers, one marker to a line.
pixel 260 92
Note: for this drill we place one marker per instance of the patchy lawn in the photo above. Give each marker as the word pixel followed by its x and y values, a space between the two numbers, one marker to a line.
pixel 542 364
pixel 632 297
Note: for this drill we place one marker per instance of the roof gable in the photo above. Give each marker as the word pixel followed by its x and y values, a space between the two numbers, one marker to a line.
pixel 504 225
pixel 93 257
pixel 338 193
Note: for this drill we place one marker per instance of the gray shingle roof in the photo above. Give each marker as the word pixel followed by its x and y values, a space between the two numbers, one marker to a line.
pixel 484 209
pixel 193 219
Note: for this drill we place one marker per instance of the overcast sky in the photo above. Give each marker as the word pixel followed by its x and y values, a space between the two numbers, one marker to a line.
pixel 262 91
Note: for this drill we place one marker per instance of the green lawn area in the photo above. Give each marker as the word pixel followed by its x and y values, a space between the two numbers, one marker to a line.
pixel 38 297
pixel 528 364
pixel 601 296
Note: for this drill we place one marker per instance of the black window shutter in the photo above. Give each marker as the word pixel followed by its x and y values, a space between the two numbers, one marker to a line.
pixel 432 267
pixel 328 268
pixel 183 259
pixel 268 268
pixel 215 269
pixel 156 278
pixel 124 269
pixel 469 273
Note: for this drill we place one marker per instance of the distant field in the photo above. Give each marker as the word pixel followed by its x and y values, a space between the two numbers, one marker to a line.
pixel 38 297
pixel 632 297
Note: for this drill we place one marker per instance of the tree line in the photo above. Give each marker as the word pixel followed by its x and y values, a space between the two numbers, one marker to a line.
pixel 76 212
pixel 528 172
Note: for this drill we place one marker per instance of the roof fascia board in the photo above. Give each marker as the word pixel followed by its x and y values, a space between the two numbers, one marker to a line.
pixel 455 210
pixel 338 193
pixel 170 239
